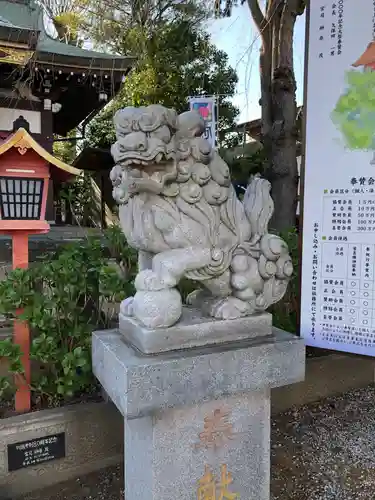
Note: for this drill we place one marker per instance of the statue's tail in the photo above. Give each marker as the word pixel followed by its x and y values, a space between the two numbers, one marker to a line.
pixel 258 204
pixel 269 263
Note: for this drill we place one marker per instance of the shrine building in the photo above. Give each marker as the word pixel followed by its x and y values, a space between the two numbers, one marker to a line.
pixel 48 87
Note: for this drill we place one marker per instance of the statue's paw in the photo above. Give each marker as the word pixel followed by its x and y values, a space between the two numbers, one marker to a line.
pixel 230 308
pixel 272 247
pixel 126 306
pixel 148 280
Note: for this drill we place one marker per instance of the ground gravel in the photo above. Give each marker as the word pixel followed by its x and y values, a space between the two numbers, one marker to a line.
pixel 324 451
pixel 105 485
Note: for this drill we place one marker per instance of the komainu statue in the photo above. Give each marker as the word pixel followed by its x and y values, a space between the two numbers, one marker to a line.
pixel 178 208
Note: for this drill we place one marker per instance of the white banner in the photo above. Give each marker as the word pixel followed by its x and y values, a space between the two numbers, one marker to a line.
pixel 338 261
pixel 206 108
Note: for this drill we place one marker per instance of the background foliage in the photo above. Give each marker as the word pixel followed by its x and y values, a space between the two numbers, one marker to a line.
pixel 167 75
pixel 175 59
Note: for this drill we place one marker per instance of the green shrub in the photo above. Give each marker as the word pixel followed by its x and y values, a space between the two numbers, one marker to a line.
pixel 285 313
pixel 64 298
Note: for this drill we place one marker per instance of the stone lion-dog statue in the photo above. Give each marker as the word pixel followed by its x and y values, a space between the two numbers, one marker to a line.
pixel 179 210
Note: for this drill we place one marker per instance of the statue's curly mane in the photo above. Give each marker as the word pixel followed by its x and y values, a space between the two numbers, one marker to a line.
pixel 192 170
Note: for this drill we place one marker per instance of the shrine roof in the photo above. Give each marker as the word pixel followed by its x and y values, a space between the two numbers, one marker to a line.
pixel 22 20
pixel 23 141
pixel 5 22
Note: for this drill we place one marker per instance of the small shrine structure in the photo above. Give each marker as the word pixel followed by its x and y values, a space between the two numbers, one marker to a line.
pixel 25 170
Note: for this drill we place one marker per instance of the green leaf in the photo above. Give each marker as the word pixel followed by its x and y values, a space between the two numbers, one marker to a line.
pixel 77 351
pixel 81 362
pixel 60 389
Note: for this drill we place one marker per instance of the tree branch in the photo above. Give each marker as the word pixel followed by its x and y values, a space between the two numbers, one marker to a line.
pixel 257 15
pixel 301 7
pixel 288 19
pixel 275 22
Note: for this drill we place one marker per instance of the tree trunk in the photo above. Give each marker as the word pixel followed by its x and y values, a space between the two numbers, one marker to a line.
pixel 282 168
pixel 278 89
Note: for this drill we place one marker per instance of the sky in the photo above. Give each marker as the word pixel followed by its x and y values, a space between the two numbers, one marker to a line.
pixel 238 37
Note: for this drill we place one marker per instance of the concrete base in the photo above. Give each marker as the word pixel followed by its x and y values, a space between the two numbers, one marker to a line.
pixel 325 377
pixel 94 440
pixel 172 453
pixel 193 330
pixel 197 422
pixel 101 429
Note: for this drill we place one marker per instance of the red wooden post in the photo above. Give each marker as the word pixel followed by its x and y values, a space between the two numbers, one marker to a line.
pixel 21 334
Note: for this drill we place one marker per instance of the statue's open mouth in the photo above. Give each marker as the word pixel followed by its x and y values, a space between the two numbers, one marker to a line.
pixel 147 170
pixel 137 160
pixel 158 170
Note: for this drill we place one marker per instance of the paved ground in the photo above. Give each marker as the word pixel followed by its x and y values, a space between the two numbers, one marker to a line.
pixel 107 485
pixel 319 452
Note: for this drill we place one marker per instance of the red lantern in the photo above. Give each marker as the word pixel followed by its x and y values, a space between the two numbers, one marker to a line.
pixel 25 170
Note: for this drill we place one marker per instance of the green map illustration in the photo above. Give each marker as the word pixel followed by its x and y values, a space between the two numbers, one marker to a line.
pixel 354 114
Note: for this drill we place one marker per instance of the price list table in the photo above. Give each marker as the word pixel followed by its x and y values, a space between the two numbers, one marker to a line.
pixel 348 214
pixel 347 295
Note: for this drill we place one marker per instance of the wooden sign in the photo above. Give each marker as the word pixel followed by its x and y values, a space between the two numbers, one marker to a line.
pixel 36 451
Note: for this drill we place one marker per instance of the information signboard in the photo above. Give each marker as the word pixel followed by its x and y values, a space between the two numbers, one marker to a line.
pixel 206 108
pixel 36 451
pixel 338 258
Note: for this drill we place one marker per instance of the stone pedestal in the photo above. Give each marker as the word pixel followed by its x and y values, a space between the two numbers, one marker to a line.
pixel 197 421
pixel 193 330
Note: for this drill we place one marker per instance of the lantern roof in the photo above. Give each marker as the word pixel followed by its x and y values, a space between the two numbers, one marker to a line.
pixel 23 141
pixel 367 58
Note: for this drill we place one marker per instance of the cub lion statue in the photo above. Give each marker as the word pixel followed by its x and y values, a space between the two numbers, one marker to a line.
pixel 178 208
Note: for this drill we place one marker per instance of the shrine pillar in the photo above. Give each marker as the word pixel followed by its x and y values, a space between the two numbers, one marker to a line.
pixel 197 421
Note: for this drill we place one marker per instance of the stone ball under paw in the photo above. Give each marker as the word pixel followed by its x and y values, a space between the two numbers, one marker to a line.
pixel 247 294
pixel 126 306
pixel 158 309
